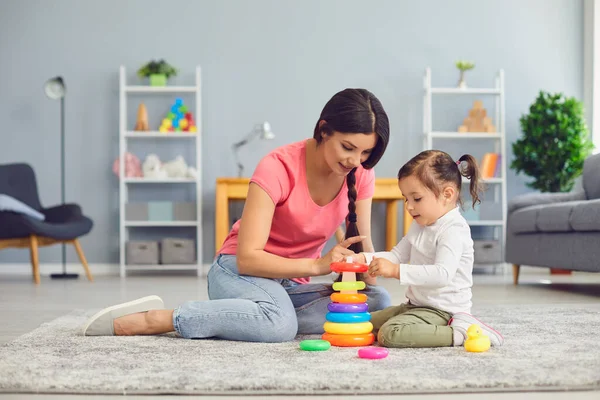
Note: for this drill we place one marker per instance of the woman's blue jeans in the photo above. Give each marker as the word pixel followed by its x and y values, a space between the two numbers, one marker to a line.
pixel 253 309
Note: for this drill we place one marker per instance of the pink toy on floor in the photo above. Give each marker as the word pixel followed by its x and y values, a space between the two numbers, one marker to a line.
pixel 133 166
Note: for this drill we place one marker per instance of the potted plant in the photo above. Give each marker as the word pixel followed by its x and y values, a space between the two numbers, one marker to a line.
pixel 157 71
pixel 463 66
pixel 554 144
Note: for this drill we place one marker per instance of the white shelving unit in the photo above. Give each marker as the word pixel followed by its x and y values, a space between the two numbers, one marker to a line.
pixel 124 183
pixel 497 140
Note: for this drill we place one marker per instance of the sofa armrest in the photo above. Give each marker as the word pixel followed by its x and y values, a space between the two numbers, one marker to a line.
pixel 534 199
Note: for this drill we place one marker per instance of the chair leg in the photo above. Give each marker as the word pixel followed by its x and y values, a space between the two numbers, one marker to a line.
pixel 35 260
pixel 516 269
pixel 83 260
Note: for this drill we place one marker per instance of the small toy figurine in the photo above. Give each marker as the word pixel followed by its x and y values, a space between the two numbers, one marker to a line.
pixel 476 341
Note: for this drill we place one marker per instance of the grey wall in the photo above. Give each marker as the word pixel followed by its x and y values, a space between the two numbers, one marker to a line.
pixel 262 60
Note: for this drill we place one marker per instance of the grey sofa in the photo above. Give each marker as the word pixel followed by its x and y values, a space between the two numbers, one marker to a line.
pixel 557 230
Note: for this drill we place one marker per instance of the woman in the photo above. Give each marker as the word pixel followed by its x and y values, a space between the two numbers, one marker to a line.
pixel 298 196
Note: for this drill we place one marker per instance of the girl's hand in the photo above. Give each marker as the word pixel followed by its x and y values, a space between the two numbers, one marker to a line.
pixel 359 258
pixel 385 268
pixel 338 253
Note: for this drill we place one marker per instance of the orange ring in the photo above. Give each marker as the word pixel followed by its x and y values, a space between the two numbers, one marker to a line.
pixel 349 340
pixel 348 298
pixel 348 267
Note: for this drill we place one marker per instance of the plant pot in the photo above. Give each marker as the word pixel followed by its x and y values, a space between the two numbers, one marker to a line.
pixel 158 80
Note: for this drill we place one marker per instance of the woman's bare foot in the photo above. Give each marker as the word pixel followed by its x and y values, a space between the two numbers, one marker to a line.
pixel 152 322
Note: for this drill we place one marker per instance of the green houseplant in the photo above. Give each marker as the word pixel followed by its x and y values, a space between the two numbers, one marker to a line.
pixel 463 66
pixel 554 144
pixel 157 71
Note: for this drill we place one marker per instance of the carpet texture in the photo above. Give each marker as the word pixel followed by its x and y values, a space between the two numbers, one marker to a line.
pixel 547 347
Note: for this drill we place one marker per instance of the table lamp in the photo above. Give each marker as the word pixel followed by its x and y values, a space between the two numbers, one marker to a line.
pixel 261 130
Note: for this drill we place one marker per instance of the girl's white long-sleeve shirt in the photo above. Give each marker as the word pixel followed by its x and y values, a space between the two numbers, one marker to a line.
pixel 436 262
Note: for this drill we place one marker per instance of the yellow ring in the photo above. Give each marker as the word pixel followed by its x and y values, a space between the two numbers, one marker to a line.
pixel 359 328
pixel 356 285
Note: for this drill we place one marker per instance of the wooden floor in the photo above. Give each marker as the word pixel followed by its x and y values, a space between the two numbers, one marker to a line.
pixel 24 306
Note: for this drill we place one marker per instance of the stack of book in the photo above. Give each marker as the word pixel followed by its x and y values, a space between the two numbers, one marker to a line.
pixel 490 165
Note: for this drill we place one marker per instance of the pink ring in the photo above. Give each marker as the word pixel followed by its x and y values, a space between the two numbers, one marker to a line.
pixel 373 353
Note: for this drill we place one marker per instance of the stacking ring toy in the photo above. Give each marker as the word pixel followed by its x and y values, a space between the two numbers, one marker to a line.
pixel 349 340
pixel 348 298
pixel 348 308
pixel 348 267
pixel 347 329
pixel 373 353
pixel 348 317
pixel 356 285
pixel 314 345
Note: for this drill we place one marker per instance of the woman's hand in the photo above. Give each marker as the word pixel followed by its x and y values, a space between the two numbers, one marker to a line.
pixel 338 253
pixel 385 268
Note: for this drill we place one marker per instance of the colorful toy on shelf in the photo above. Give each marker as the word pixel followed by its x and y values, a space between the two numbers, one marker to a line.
pixel 477 121
pixel 178 119
pixel 348 320
pixel 476 341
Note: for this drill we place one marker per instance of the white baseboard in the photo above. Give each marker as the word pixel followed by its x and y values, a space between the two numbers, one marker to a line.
pixel 99 269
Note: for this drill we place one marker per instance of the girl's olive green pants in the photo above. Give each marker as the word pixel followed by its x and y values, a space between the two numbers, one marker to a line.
pixel 412 326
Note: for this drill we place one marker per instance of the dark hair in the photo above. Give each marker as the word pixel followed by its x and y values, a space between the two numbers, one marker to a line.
pixel 353 111
pixel 434 168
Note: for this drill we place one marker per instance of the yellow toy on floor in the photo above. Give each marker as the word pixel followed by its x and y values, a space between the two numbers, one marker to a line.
pixel 476 341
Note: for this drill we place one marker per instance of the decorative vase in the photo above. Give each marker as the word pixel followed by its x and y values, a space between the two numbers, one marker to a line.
pixel 158 80
pixel 462 84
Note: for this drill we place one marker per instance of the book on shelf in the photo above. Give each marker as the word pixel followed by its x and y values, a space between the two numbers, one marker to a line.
pixel 490 165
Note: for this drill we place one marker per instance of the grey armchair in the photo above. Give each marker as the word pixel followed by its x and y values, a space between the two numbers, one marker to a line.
pixel 63 223
pixel 557 230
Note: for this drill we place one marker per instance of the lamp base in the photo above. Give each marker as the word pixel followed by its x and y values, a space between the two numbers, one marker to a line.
pixel 64 275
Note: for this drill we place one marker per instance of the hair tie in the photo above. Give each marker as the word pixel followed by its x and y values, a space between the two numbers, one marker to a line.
pixel 458 162
pixel 352 217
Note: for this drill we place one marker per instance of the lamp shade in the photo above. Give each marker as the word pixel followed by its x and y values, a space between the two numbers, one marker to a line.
pixel 266 132
pixel 55 88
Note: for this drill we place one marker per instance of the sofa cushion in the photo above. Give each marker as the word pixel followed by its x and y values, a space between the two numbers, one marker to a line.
pixel 591 177
pixel 558 217
pixel 555 217
pixel 586 216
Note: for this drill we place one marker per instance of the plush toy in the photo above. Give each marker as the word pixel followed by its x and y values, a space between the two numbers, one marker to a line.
pixel 153 167
pixel 178 168
pixel 133 168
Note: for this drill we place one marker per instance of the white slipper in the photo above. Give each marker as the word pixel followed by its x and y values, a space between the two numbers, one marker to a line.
pixel 101 324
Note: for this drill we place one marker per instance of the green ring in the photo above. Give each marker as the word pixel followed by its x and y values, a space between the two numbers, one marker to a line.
pixel 315 345
pixel 349 285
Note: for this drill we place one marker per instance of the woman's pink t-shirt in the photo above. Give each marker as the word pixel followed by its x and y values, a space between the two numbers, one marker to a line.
pixel 300 227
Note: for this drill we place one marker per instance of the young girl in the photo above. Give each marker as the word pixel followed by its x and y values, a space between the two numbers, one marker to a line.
pixel 435 258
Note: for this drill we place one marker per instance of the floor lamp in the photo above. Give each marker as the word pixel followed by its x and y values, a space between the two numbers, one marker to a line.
pixel 55 89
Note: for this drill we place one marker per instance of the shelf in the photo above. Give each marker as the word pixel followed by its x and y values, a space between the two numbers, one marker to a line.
pixel 486 180
pixel 161 223
pixel 451 90
pixel 156 134
pixel 465 135
pixel 485 223
pixel 152 180
pixel 160 89
pixel 160 267
pixel 131 92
